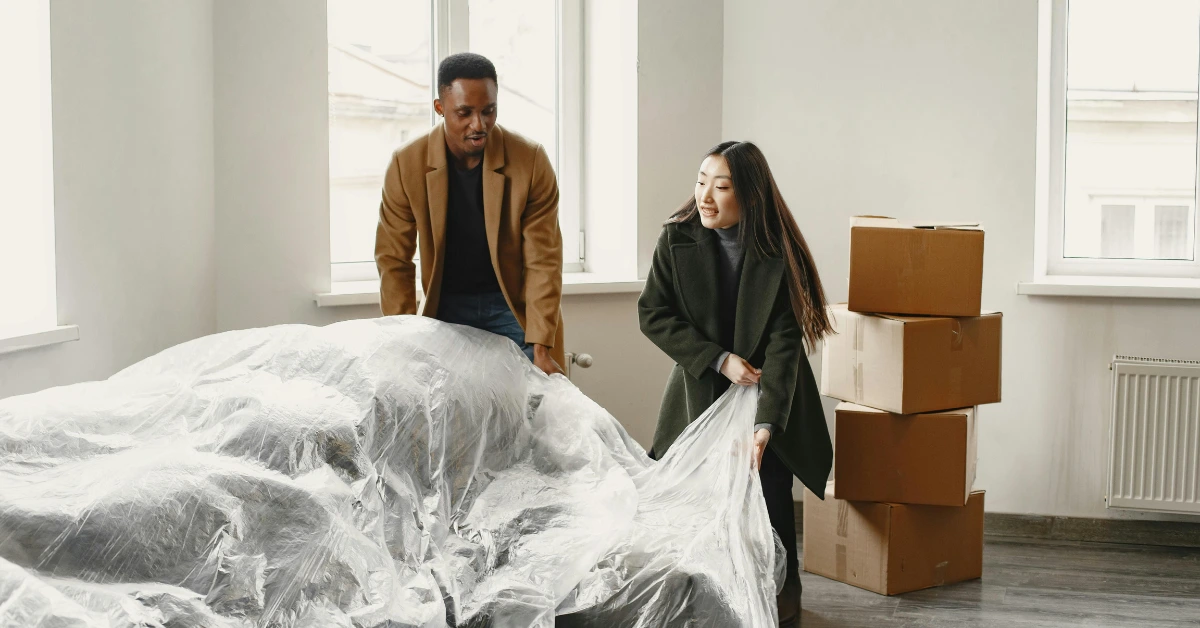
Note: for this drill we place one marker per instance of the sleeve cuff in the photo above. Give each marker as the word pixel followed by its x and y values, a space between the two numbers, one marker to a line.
pixel 698 365
pixel 770 427
pixel 720 361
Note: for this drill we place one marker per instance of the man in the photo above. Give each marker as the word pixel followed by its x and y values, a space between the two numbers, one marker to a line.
pixel 482 202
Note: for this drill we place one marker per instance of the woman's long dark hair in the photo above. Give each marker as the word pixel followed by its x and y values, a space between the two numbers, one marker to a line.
pixel 767 225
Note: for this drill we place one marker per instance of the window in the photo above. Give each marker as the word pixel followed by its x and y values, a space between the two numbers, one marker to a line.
pixel 1155 227
pixel 1120 144
pixel 383 56
pixel 27 280
pixel 1116 231
pixel 1172 231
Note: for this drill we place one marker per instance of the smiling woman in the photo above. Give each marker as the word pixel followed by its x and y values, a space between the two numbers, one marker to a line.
pixel 27 284
pixel 733 297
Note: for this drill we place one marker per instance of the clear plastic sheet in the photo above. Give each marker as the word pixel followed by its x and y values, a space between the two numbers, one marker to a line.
pixel 396 472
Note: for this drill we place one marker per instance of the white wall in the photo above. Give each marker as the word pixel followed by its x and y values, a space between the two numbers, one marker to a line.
pixel 925 109
pixel 133 165
pixel 679 106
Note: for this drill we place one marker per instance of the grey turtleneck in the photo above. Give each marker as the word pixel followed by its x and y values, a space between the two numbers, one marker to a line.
pixel 730 257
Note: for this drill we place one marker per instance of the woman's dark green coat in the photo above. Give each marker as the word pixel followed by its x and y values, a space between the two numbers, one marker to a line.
pixel 678 312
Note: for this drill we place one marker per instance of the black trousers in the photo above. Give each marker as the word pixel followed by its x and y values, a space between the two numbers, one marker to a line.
pixel 776 481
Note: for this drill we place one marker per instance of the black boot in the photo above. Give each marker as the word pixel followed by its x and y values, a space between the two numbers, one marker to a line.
pixel 788 601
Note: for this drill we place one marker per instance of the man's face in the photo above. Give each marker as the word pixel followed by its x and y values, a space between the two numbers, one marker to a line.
pixel 469 108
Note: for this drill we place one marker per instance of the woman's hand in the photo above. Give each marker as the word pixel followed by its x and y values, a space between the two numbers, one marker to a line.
pixel 739 371
pixel 761 437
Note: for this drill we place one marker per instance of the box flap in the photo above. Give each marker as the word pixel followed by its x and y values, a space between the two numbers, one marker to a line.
pixel 846 406
pixel 917 319
pixel 969 226
pixel 906 319
pixel 874 221
pixel 889 222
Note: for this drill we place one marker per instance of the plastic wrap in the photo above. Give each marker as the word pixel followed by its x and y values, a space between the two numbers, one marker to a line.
pixel 394 472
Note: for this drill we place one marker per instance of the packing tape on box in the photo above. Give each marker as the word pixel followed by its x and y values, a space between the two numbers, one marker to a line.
pixel 840 562
pixel 858 382
pixel 859 341
pixel 843 524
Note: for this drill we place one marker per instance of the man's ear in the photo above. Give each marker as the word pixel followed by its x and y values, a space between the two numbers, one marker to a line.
pixel 437 106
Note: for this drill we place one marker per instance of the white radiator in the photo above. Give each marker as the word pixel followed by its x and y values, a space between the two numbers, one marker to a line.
pixel 1154 461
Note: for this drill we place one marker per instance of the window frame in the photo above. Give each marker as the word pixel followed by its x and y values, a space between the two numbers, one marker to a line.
pixel 1050 260
pixel 450 34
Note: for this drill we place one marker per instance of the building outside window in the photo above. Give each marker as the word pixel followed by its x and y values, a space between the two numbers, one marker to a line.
pixel 383 56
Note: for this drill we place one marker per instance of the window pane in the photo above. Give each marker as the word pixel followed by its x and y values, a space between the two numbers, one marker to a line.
pixel 379 98
pixel 1116 231
pixel 1131 119
pixel 519 37
pixel 26 210
pixel 1171 232
pixel 1127 45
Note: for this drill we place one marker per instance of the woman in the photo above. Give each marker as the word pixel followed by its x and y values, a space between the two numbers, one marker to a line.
pixel 733 296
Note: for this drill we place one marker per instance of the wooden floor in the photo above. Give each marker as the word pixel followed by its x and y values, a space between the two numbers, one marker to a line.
pixel 1027 583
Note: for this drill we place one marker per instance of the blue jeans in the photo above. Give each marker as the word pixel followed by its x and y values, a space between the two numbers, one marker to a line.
pixel 487 311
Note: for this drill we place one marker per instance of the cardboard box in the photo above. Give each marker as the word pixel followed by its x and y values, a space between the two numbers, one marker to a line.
pixel 892 548
pixel 905 459
pixel 935 270
pixel 912 364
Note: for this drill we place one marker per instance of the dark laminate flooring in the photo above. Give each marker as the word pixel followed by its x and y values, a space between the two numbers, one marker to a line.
pixel 1032 583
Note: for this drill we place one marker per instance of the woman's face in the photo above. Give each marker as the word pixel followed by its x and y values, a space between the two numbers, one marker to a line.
pixel 715 199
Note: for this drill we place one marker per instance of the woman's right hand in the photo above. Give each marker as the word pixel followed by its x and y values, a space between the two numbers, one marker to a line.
pixel 739 371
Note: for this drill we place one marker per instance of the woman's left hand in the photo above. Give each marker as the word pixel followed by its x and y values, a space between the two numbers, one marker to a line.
pixel 760 445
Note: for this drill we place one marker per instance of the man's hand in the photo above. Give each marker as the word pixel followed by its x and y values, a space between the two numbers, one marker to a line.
pixel 542 360
pixel 761 437
pixel 739 371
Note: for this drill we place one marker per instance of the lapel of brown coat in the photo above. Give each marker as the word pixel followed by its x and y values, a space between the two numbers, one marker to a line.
pixel 493 190
pixel 437 190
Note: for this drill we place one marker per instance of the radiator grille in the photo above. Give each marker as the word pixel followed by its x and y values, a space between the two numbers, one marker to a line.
pixel 1154 462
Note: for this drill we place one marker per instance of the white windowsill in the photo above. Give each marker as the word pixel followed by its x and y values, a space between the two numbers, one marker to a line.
pixel 367 292
pixel 1115 287
pixel 600 283
pixel 28 340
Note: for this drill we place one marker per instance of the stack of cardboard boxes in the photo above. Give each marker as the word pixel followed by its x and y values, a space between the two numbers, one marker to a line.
pixel 913 357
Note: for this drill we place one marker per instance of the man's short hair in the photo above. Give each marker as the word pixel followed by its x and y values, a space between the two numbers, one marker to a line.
pixel 464 65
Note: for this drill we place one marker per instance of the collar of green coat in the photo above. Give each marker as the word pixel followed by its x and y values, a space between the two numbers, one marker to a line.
pixel 695 265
